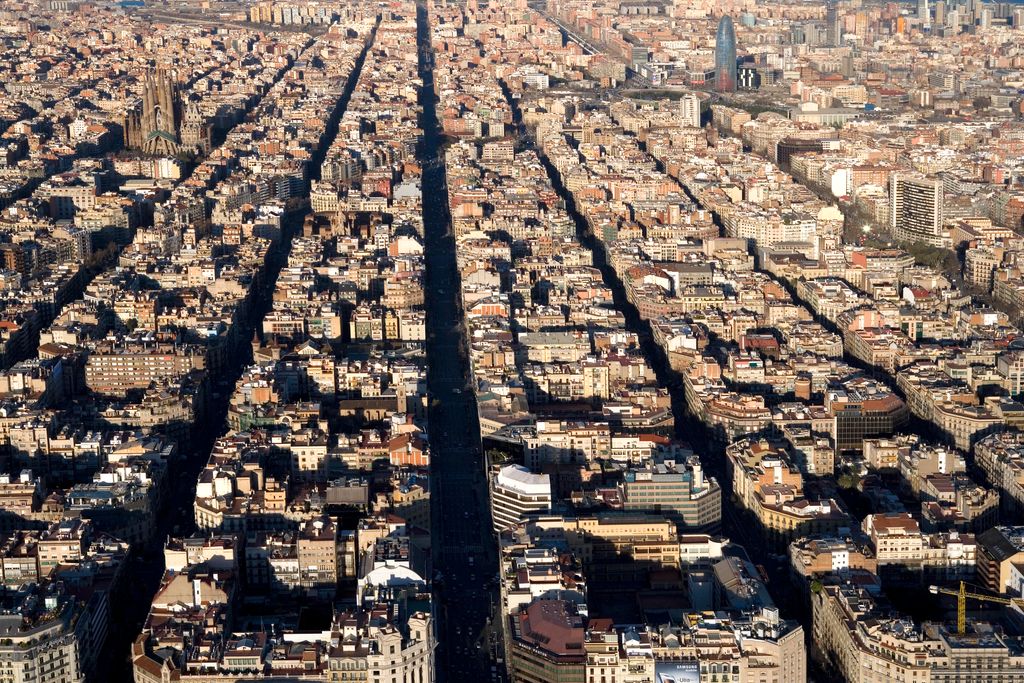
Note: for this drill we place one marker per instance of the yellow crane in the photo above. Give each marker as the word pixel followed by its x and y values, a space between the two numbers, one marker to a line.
pixel 961 602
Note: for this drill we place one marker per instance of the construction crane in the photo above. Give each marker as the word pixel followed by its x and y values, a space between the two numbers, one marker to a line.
pixel 961 602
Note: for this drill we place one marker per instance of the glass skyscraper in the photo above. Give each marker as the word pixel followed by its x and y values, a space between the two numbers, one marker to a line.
pixel 725 56
pixel 833 33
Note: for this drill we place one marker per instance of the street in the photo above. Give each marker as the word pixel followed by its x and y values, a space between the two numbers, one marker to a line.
pixel 464 552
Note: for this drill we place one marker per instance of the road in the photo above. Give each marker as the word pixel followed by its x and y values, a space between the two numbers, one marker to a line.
pixel 464 550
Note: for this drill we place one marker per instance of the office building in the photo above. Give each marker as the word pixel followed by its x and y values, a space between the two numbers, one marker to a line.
pixel 516 492
pixel 725 56
pixel 833 31
pixel 683 494
pixel 547 643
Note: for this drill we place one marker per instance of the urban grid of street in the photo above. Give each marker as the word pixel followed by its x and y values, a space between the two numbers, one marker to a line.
pixel 128 616
pixel 735 524
pixel 465 552
pixel 465 565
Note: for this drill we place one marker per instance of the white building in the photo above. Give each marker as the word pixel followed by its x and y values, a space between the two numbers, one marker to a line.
pixel 915 209
pixel 689 111
pixel 515 491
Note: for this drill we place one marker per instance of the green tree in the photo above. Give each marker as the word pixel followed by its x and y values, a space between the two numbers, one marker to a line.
pixel 496 456
pixel 848 481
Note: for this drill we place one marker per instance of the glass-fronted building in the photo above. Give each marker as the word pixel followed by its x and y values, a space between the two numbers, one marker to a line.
pixel 725 56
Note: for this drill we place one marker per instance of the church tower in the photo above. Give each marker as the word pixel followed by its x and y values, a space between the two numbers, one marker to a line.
pixel 161 125
pixel 161 115
pixel 196 132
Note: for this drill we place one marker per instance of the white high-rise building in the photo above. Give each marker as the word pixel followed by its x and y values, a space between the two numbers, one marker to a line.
pixel 985 20
pixel 515 492
pixel 689 111
pixel 915 209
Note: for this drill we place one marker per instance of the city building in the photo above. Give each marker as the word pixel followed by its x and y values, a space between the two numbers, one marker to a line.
pixel 725 55
pixel 515 493
pixel 867 642
pixel 679 491
pixel 689 110
pixel 916 209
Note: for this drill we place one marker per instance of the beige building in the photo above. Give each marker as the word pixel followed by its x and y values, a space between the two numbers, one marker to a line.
pixel 614 547
pixel 1000 551
pixel 868 645
pixel 755 647
pixel 810 557
pixel 47 651
pixel 617 656
pixel 115 370
pixel 897 540
pixel 317 551
pixel 769 485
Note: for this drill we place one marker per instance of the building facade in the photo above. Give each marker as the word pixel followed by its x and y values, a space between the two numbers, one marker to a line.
pixel 915 209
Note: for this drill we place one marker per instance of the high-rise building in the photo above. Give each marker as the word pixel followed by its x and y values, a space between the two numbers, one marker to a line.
pixel 940 13
pixel 682 494
pixel 725 56
pixel 985 18
pixel 689 110
pixel 923 13
pixel 915 209
pixel 833 33
pixel 515 492
pixel 748 78
pixel 847 66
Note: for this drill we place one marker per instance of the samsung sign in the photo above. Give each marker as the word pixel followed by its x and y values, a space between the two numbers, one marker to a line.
pixel 677 672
